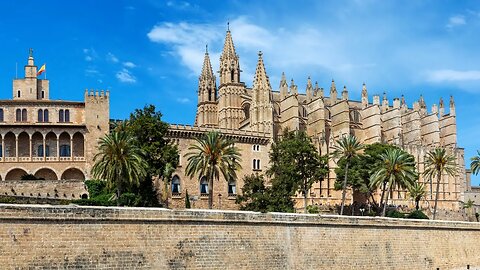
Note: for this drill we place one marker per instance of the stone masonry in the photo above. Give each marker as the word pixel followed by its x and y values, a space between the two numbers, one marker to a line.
pixel 71 237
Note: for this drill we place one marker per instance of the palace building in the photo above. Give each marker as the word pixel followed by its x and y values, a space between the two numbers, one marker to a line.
pixel 255 117
pixel 50 139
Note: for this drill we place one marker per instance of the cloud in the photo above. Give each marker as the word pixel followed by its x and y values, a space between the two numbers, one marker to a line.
pixel 112 58
pixel 126 76
pixel 178 4
pixel 90 54
pixel 129 64
pixel 456 20
pixel 183 100
pixel 449 75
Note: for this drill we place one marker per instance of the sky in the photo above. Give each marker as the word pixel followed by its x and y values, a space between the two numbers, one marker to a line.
pixel 151 52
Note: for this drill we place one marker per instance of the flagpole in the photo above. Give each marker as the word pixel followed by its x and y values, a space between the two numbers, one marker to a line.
pixel 16 70
pixel 45 71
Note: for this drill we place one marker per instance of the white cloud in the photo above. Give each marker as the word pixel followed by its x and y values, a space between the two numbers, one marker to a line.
pixel 456 20
pixel 112 58
pixel 449 75
pixel 90 54
pixel 183 100
pixel 129 64
pixel 126 76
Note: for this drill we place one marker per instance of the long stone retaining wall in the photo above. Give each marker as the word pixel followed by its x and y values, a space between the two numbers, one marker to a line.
pixel 53 237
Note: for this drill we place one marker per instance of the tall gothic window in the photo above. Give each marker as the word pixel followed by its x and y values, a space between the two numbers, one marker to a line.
pixel 175 184
pixel 45 115
pixel 232 188
pixel 40 115
pixel 203 185
pixel 67 115
pixel 18 117
pixel 24 115
pixel 61 116
pixel 1 115
pixel 64 150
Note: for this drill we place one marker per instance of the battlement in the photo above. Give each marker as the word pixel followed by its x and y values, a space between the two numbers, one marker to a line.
pixel 178 130
pixel 97 93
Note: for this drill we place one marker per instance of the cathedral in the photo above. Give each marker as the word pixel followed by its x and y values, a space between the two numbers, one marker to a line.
pixel 255 117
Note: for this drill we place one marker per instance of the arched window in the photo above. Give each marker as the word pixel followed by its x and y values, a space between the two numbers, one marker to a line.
pixel 209 94
pixel 256 164
pixel 175 185
pixel 232 74
pixel 45 115
pixel 40 150
pixel 18 93
pixel 61 116
pixel 1 115
pixel 24 115
pixel 246 110
pixel 43 94
pixel 203 186
pixel 64 150
pixel 18 117
pixel 355 116
pixel 232 188
pixel 40 115
pixel 67 115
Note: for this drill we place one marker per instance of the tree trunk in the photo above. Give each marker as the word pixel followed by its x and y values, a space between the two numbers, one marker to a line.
pixel 210 191
pixel 386 202
pixel 119 192
pixel 344 193
pixel 417 204
pixel 436 195
pixel 383 194
pixel 304 200
pixel 165 192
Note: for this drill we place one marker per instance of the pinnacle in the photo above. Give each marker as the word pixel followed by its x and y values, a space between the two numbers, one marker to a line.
pixel 228 47
pixel 207 71
pixel 283 81
pixel 261 78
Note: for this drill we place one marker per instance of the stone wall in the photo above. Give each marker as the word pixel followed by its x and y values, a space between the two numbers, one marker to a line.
pixel 47 237
pixel 52 189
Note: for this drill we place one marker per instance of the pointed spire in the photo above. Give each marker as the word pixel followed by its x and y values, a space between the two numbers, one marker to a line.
pixel 385 101
pixel 207 71
pixel 402 101
pixel 283 81
pixel 440 103
pixel 283 87
pixel 364 96
pixel 345 93
pixel 421 101
pixel 228 47
pixel 309 90
pixel 441 109
pixel 261 81
pixel 452 106
pixel 293 88
pixel 333 92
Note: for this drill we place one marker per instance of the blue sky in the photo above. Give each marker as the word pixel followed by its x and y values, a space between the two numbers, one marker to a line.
pixel 151 51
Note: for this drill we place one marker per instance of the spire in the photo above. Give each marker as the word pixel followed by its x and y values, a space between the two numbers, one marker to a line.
pixel 261 84
pixel 283 87
pixel 364 96
pixel 207 71
pixel 293 88
pixel 317 91
pixel 333 92
pixel 229 62
pixel 309 90
pixel 402 101
pixel 385 101
pixel 452 106
pixel 345 93
pixel 421 101
pixel 441 104
pixel 30 58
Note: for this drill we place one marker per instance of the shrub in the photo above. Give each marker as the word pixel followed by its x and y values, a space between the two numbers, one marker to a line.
pixel 96 187
pixel 129 199
pixel 417 214
pixel 395 214
pixel 313 209
pixel 101 200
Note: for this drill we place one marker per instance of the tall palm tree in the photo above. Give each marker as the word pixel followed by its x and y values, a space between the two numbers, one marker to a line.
pixel 417 192
pixel 211 156
pixel 438 162
pixel 346 148
pixel 397 169
pixel 119 161
pixel 475 164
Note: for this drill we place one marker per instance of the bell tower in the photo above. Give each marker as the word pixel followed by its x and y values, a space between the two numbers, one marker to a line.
pixel 230 111
pixel 30 87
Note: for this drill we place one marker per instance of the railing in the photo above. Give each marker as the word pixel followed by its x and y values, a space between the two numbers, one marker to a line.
pixel 41 159
pixel 10 159
pixel 52 158
pixel 23 159
pixel 37 158
pixel 176 194
pixel 65 158
pixel 78 158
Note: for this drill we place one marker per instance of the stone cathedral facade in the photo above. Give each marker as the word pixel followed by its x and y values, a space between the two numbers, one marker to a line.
pixel 255 117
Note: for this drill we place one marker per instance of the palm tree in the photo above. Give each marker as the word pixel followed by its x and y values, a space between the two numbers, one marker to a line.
pixel 438 162
pixel 475 164
pixel 119 161
pixel 167 176
pixel 396 169
pixel 211 156
pixel 346 148
pixel 417 192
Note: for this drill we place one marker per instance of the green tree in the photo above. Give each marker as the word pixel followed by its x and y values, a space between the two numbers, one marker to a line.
pixel 119 161
pixel 475 163
pixel 417 192
pixel 296 164
pixel 346 148
pixel 150 131
pixel 438 162
pixel 397 170
pixel 360 168
pixel 211 156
